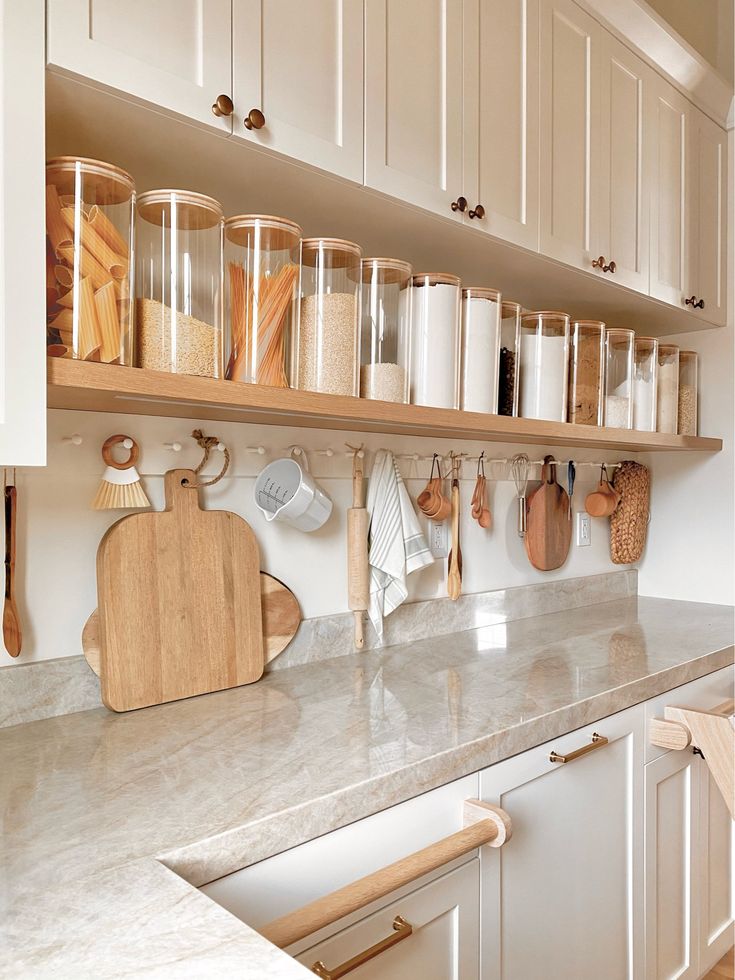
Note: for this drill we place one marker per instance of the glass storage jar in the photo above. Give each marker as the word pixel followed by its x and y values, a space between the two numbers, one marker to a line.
pixel 386 326
pixel 544 363
pixel 645 381
pixel 510 341
pixel 687 421
pixel 179 303
pixel 586 372
pixel 89 253
pixel 480 349
pixel 261 277
pixel 435 339
pixel 327 349
pixel 667 406
pixel 619 378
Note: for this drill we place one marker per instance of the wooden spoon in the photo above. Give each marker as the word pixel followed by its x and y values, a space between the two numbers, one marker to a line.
pixel 12 632
pixel 454 577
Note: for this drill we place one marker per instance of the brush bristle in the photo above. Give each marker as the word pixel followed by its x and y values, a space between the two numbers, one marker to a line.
pixel 116 496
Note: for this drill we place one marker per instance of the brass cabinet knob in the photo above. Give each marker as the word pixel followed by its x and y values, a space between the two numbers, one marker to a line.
pixel 694 303
pixel 459 205
pixel 254 119
pixel 223 106
pixel 602 265
pixel 477 212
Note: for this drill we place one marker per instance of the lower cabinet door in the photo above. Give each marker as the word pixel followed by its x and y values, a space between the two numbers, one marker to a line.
pixel 437 939
pixel 672 886
pixel 714 861
pixel 563 898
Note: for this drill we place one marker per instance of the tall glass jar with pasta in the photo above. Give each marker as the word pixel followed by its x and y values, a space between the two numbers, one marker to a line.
pixel 89 260
pixel 261 279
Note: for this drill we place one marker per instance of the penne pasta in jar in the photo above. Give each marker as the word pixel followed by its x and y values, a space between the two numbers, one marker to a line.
pixel 90 208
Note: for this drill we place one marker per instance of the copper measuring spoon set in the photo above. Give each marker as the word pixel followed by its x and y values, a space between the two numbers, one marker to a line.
pixel 436 505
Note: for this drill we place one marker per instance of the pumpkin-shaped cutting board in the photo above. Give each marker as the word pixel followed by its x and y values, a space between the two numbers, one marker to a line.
pixel 179 602
pixel 549 524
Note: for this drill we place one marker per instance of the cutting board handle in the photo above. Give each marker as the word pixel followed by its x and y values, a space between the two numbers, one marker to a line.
pixel 548 472
pixel 179 496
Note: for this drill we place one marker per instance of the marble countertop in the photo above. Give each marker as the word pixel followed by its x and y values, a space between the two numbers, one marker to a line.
pixel 97 808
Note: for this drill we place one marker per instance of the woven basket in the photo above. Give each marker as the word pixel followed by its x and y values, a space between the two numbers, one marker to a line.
pixel 629 522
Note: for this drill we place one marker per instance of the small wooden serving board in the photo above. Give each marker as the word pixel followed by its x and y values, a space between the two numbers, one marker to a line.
pixel 549 525
pixel 179 602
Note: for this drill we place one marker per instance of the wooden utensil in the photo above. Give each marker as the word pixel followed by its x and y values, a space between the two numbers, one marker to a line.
pixel 281 620
pixel 548 527
pixel 179 602
pixel 358 569
pixel 454 576
pixel 12 632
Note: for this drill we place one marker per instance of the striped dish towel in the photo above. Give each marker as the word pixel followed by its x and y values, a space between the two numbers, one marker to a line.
pixel 396 544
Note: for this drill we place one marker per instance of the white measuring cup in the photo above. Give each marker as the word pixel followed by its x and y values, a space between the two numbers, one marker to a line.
pixel 286 491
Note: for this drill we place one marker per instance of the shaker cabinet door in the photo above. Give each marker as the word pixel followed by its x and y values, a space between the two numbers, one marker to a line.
pixel 413 101
pixel 707 278
pixel 171 53
pixel 501 117
pixel 667 126
pixel 715 854
pixel 301 66
pixel 22 238
pixel 442 944
pixel 671 843
pixel 570 102
pixel 620 205
pixel 563 898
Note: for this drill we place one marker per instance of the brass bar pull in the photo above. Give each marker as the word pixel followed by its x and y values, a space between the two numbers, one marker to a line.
pixel 597 742
pixel 402 930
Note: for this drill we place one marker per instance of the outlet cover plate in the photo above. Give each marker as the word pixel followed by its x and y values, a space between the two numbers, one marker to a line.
pixel 584 530
pixel 438 539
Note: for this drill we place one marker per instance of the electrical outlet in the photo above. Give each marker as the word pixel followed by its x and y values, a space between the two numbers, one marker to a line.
pixel 438 538
pixel 584 530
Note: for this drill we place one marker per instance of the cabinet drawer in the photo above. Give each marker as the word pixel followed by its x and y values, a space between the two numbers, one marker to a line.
pixel 272 888
pixel 436 937
pixel 705 692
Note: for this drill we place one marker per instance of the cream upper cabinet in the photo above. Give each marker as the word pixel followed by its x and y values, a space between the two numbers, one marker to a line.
pixel 413 101
pixel 301 66
pixel 668 122
pixel 172 53
pixel 620 210
pixel 570 101
pixel 563 898
pixel 501 117
pixel 671 884
pixel 707 278
pixel 22 238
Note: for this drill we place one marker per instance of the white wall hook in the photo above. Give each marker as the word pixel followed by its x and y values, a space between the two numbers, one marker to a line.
pixel 174 447
pixel 127 443
pixel 324 452
pixel 221 446
pixel 260 450
pixel 74 440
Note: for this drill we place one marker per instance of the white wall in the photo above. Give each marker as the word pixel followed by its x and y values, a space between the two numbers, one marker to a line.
pixel 691 549
pixel 59 533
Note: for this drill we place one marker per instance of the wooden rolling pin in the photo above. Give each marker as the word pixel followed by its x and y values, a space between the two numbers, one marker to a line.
pixel 358 570
pixel 12 632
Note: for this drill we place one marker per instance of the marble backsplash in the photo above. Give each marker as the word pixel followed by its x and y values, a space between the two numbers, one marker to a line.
pixel 29 692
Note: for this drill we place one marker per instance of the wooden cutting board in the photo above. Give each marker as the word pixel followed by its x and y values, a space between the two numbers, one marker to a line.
pixel 549 526
pixel 178 594
pixel 281 620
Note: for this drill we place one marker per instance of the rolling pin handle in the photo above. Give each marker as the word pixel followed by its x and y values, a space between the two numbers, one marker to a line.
pixel 359 635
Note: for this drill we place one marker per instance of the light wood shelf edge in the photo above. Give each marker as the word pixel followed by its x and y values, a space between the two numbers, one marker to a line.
pixel 90 387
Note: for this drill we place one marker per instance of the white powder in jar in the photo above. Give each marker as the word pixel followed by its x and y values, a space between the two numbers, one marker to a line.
pixel 668 396
pixel 644 404
pixel 617 411
pixel 383 382
pixel 543 377
pixel 434 352
pixel 480 354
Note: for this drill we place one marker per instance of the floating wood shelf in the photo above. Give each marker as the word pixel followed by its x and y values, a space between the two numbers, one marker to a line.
pixel 89 387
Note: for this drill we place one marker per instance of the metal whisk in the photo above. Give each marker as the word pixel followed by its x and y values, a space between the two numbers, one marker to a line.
pixel 519 469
